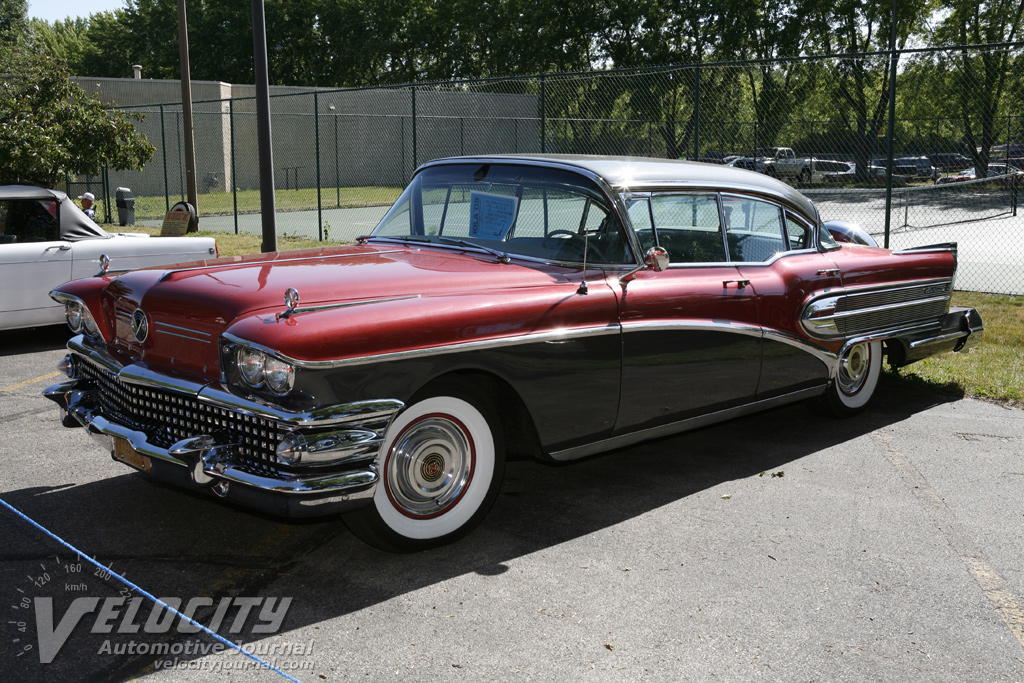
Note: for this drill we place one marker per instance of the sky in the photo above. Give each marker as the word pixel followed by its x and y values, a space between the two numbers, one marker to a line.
pixel 53 10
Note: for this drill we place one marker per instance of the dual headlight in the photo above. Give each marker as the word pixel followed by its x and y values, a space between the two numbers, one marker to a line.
pixel 79 318
pixel 258 369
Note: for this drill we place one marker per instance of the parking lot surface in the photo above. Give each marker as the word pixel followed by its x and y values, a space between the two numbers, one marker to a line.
pixel 778 547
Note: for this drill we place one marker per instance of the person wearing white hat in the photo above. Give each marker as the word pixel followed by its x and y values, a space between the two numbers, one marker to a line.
pixel 88 199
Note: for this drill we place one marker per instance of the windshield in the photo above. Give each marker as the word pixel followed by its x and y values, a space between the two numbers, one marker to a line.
pixel 530 211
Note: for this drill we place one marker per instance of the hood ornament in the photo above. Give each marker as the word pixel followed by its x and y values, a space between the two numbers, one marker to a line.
pixel 104 265
pixel 291 301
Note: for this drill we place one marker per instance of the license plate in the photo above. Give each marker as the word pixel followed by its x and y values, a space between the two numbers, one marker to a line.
pixel 124 452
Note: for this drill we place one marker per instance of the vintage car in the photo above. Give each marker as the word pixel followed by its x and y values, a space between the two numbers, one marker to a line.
pixel 556 306
pixel 45 240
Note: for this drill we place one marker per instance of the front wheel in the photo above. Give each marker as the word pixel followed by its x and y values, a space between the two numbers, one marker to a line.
pixel 441 468
pixel 805 176
pixel 855 382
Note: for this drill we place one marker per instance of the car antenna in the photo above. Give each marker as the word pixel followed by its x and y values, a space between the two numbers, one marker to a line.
pixel 586 243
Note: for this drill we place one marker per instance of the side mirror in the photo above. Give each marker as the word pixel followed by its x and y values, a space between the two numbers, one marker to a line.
pixel 655 259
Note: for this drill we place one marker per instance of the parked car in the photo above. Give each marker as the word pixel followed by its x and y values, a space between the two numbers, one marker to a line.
pixel 45 240
pixel 920 167
pixel 1002 174
pixel 558 306
pixel 876 175
pixel 944 163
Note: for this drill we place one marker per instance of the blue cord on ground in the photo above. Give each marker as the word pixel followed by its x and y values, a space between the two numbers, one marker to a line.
pixel 145 593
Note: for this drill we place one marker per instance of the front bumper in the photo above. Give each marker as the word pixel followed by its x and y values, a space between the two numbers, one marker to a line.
pixel 201 437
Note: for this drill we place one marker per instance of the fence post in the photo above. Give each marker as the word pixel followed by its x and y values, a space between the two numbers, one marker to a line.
pixel 696 118
pixel 234 179
pixel 337 182
pixel 319 204
pixel 891 128
pixel 543 114
pixel 163 148
pixel 181 167
pixel 415 161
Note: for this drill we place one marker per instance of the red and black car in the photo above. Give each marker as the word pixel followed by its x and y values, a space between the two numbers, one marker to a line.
pixel 554 305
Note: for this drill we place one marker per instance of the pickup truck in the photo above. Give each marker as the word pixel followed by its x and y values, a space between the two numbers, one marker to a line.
pixel 784 164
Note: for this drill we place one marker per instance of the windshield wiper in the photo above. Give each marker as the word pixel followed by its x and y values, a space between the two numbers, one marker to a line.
pixel 500 255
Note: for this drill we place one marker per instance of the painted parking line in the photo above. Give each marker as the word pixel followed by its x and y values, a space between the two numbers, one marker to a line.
pixel 992 585
pixel 28 382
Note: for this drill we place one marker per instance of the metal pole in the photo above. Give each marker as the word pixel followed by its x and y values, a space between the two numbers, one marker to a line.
pixel 234 179
pixel 337 182
pixel 415 160
pixel 268 208
pixel 319 204
pixel 186 107
pixel 163 146
pixel 891 131
pixel 696 119
pixel 181 167
pixel 543 114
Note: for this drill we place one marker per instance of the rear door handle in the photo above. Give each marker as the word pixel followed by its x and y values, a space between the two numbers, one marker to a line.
pixel 829 271
pixel 740 284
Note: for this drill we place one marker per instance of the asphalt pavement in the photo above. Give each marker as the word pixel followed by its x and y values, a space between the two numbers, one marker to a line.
pixel 778 547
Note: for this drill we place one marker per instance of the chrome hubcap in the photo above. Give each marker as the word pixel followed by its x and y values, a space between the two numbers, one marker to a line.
pixel 430 466
pixel 853 369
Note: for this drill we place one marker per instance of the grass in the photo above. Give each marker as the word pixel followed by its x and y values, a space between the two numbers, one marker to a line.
pixel 222 203
pixel 994 369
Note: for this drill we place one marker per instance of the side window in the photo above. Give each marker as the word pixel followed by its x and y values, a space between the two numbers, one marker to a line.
pixel 640 216
pixel 800 233
pixel 754 229
pixel 688 227
pixel 31 220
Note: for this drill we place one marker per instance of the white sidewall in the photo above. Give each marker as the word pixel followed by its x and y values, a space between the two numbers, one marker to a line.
pixel 861 398
pixel 483 470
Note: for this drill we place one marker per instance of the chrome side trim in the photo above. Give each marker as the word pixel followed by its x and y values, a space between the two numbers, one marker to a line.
pixel 632 438
pixel 183 332
pixel 692 325
pixel 927 249
pixel 807 346
pixel 486 344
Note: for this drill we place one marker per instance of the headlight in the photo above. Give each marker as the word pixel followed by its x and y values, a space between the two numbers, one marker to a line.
pixel 251 366
pixel 89 325
pixel 280 375
pixel 73 313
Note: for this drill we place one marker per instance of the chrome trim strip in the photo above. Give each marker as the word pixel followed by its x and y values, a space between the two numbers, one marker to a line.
pixel 927 249
pixel 819 352
pixel 482 345
pixel 886 307
pixel 632 438
pixel 184 336
pixel 692 325
pixel 183 329
pixel 854 290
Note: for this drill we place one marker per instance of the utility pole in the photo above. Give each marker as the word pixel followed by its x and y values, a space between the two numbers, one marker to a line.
pixel 186 109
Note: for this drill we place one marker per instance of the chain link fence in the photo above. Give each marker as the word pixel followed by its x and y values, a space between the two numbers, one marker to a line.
pixel 821 124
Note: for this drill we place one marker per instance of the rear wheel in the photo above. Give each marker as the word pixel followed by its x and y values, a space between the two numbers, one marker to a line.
pixel 855 382
pixel 805 175
pixel 441 468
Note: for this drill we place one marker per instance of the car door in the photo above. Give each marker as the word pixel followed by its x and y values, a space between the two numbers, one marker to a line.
pixel 32 262
pixel 775 250
pixel 690 336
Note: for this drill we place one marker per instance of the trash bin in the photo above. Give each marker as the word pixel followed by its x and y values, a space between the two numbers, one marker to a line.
pixel 125 201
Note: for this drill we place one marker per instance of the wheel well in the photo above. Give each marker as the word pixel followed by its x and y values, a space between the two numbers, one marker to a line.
pixel 521 440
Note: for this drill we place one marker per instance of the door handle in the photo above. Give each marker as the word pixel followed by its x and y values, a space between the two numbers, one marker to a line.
pixel 829 271
pixel 740 284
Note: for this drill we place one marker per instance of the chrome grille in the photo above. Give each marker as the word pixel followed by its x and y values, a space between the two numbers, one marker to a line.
pixel 884 318
pixel 166 417
pixel 886 297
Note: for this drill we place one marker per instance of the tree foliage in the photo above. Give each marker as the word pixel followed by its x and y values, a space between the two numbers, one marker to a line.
pixel 50 127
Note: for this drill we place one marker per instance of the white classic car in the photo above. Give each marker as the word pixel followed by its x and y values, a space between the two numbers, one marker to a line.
pixel 45 241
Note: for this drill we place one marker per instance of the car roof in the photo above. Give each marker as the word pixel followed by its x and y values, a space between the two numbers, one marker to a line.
pixel 624 173
pixel 74 225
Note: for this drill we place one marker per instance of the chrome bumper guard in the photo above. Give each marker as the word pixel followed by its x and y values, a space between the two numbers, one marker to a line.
pixel 209 461
pixel 961 329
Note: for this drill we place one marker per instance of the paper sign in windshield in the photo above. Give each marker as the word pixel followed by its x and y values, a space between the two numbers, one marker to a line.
pixel 491 215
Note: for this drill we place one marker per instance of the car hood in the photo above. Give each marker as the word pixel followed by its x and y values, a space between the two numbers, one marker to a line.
pixel 191 306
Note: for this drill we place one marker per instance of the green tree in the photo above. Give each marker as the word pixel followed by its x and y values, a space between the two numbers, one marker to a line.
pixel 50 127
pixel 984 76
pixel 13 20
